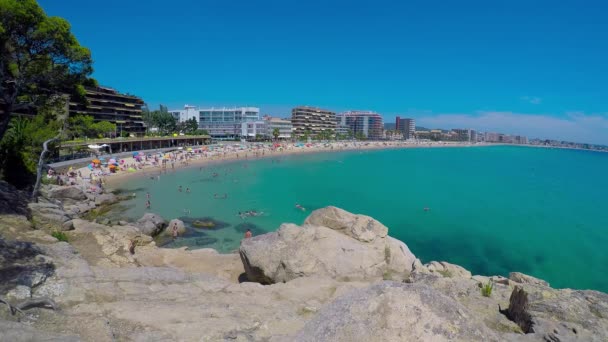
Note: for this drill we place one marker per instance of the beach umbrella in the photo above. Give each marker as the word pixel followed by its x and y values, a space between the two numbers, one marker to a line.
pixel 112 161
pixel 189 148
pixel 96 161
pixel 131 170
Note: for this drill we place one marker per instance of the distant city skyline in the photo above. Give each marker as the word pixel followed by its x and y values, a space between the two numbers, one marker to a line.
pixel 533 68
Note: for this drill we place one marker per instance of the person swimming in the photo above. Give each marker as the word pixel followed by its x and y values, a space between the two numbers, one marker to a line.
pixel 298 206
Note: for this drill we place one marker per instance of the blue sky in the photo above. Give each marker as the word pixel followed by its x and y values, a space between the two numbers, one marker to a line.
pixel 538 68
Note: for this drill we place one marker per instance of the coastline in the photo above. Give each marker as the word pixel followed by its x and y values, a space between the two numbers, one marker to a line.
pixel 114 181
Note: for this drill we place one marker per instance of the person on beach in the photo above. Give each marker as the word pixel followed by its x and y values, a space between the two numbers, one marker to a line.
pixel 248 234
pixel 174 230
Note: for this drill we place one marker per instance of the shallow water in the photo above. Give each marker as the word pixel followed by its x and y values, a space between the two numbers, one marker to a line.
pixel 492 210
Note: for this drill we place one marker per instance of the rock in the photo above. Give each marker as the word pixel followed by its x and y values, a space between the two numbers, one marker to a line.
pixel 20 292
pixel 181 228
pixel 447 269
pixel 518 310
pixel 67 225
pixel 359 227
pixel 123 223
pixel 48 216
pixel 526 279
pixel 151 224
pixel 12 201
pixel 66 194
pixel 21 264
pixel 346 251
pixel 107 198
pixel 392 311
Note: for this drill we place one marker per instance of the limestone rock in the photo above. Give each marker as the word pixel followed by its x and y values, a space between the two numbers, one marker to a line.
pixel 181 228
pixel 526 279
pixel 359 227
pixel 151 224
pixel 20 264
pixel 107 198
pixel 66 194
pixel 20 292
pixel 48 216
pixel 447 270
pixel 347 251
pixel 392 311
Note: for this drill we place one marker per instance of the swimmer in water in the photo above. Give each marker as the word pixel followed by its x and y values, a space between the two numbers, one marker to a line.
pixel 427 208
pixel 300 207
pixel 148 204
pixel 179 188
pixel 188 190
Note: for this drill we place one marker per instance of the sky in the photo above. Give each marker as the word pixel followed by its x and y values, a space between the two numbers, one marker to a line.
pixel 536 68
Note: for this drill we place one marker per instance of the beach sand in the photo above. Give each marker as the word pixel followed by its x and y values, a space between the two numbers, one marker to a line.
pixel 230 152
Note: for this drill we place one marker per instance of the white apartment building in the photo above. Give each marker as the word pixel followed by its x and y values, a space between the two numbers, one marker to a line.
pixel 229 123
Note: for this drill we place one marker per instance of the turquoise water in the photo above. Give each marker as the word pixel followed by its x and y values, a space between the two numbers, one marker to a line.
pixel 493 210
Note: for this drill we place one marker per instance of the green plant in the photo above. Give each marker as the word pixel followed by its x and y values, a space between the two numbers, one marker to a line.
pixel 387 275
pixel 61 236
pixel 486 289
pixel 387 254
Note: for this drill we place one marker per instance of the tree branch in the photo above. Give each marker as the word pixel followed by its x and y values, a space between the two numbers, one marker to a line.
pixel 45 150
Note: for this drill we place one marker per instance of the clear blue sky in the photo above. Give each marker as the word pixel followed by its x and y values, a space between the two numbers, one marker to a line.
pixel 531 67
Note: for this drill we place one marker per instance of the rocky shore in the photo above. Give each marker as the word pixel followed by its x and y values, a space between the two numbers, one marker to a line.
pixel 338 277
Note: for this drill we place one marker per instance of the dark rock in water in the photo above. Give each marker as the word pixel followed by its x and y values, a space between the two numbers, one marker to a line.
pixel 22 263
pixel 205 241
pixel 204 222
pixel 255 230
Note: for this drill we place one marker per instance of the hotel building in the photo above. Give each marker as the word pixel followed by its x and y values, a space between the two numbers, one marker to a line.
pixel 226 123
pixel 284 126
pixel 367 123
pixel 107 104
pixel 407 126
pixel 312 120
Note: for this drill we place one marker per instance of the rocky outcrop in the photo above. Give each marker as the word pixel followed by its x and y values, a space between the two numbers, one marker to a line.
pixel 107 198
pixel 526 279
pixel 106 291
pixel 151 224
pixel 66 194
pixel 392 311
pixel 23 266
pixel 181 228
pixel 12 201
pixel 49 216
pixel 349 247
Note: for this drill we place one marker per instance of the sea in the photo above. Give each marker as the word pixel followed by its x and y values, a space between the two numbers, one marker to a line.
pixel 492 210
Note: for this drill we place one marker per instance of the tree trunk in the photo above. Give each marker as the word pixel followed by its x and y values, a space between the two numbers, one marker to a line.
pixel 40 166
pixel 4 120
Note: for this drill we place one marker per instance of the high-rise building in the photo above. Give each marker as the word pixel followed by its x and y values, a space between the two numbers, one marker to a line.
pixel 397 123
pixel 407 126
pixel 367 123
pixel 462 134
pixel 312 120
pixel 107 104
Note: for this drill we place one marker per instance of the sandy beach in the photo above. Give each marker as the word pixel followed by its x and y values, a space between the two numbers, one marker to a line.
pixel 213 154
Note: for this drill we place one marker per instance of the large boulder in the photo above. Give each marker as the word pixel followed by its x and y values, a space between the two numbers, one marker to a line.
pixel 392 311
pixel 108 198
pixel 181 228
pixel 350 247
pixel 66 194
pixel 151 224
pixel 49 217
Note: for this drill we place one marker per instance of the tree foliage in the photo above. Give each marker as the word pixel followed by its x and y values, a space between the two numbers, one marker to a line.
pixel 276 132
pixel 39 57
pixel 82 126
pixel 161 119
pixel 21 145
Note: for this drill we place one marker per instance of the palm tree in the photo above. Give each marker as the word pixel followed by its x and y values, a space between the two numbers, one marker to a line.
pixel 276 133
